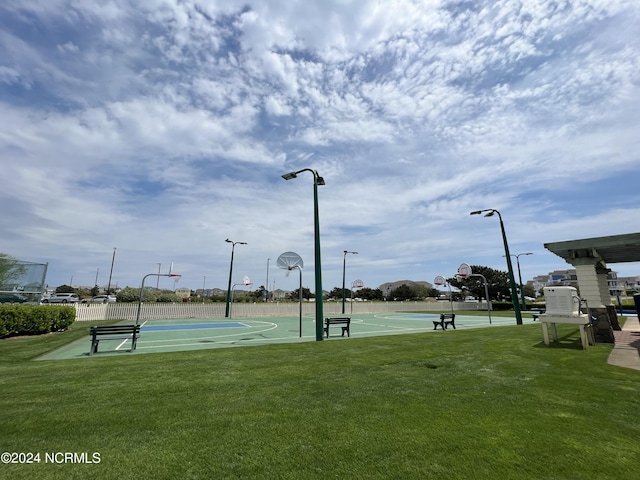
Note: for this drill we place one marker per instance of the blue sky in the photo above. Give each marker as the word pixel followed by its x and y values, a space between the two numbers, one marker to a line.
pixel 161 128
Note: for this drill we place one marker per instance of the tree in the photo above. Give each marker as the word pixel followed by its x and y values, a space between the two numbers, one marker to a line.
pixel 168 297
pixel 403 292
pixel 306 294
pixel 129 294
pixel 336 293
pixel 369 294
pixel 260 293
pixel 65 289
pixel 434 292
pixel 497 282
pixel 11 270
pixel 529 291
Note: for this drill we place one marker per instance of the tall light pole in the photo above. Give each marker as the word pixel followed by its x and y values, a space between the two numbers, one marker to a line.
pixel 523 305
pixel 233 246
pixel 512 282
pixel 317 180
pixel 344 267
pixel 266 294
pixel 113 259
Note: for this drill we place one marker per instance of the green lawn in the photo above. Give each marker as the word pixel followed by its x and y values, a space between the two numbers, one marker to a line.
pixel 487 403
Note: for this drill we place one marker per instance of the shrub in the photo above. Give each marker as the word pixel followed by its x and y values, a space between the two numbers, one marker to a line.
pixel 34 319
pixel 502 305
pixel 168 298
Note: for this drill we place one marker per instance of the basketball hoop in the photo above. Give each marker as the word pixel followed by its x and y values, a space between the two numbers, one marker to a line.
pixel 464 270
pixel 357 284
pixel 439 280
pixel 288 261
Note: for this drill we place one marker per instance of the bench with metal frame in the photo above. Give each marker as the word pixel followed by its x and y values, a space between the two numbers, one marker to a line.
pixel 344 322
pixel 114 332
pixel 446 319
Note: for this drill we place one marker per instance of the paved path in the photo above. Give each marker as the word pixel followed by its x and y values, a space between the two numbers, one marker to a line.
pixel 626 352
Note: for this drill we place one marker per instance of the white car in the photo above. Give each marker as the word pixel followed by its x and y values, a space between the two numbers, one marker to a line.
pixel 62 298
pixel 99 299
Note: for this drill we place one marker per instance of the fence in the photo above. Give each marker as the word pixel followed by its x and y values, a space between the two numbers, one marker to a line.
pixel 154 311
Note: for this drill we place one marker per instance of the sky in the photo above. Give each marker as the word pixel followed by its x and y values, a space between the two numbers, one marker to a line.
pixel 155 130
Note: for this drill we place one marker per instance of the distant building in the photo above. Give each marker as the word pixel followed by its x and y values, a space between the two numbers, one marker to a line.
pixel 386 288
pixel 630 283
pixel 569 278
pixel 183 292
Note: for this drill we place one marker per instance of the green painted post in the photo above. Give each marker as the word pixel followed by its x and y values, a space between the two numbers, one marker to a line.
pixel 512 282
pixel 318 268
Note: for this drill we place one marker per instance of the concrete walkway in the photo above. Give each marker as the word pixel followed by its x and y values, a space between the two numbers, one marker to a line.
pixel 626 352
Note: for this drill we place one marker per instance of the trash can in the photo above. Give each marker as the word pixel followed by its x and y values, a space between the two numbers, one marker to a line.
pixel 636 300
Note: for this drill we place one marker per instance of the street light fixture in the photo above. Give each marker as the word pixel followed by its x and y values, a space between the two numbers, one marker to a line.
pixel 317 180
pixel 233 246
pixel 512 282
pixel 344 265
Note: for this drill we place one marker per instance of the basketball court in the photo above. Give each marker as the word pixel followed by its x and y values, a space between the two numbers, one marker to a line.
pixel 197 334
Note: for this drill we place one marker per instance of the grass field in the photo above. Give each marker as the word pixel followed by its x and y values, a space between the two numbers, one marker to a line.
pixel 484 403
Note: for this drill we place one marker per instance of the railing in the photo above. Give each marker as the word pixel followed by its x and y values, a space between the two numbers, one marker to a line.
pixel 154 311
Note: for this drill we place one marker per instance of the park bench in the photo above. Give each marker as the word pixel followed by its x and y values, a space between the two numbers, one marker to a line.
pixel 446 319
pixel 536 312
pixel 114 332
pixel 344 322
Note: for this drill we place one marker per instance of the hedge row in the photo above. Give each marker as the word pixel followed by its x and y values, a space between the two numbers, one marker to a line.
pixel 34 319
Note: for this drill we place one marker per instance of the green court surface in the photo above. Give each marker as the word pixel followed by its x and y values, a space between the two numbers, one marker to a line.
pixel 195 334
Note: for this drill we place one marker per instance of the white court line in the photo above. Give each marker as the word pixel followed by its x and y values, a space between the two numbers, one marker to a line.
pixel 271 326
pixel 239 342
pixel 126 339
pixel 388 329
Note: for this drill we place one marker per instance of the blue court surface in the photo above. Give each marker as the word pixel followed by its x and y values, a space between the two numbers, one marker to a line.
pixel 195 334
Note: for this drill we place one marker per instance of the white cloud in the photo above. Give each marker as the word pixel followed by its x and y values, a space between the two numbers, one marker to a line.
pixel 171 123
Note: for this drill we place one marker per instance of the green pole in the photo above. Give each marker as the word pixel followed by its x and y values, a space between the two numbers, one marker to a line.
pixel 226 310
pixel 344 265
pixel 512 282
pixel 233 246
pixel 317 180
pixel 318 269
